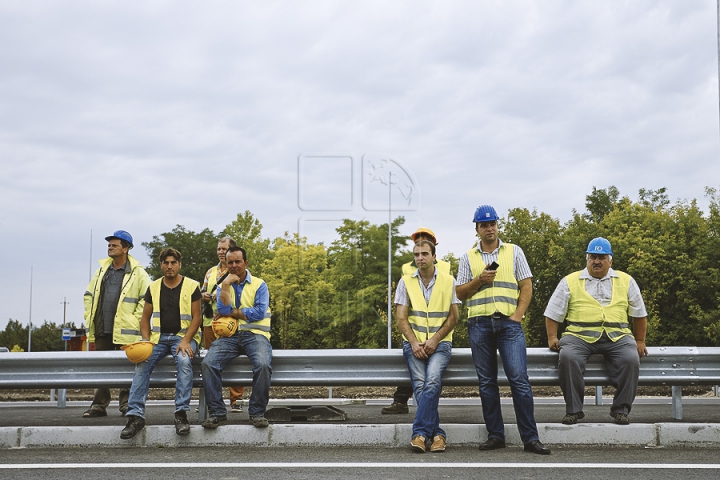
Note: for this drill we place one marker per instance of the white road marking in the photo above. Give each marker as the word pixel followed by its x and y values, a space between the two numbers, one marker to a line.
pixel 613 466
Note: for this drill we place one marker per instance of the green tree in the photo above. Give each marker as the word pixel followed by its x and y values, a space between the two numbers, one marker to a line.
pixel 247 232
pixel 296 277
pixel 14 334
pixel 358 272
pixel 197 250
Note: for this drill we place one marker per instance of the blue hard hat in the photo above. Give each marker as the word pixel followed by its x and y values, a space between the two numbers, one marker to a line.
pixel 122 235
pixel 599 246
pixel 485 213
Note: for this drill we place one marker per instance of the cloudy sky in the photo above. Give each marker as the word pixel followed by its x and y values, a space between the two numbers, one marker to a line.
pixel 144 115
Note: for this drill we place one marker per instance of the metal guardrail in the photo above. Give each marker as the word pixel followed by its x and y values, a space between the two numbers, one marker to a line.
pixel 672 366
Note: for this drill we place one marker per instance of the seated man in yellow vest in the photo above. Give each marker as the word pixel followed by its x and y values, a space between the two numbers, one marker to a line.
pixel 245 298
pixel 596 303
pixel 173 304
pixel 426 312
pixel 209 296
pixel 403 393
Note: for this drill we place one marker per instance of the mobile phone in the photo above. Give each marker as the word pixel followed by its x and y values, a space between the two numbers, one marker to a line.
pixel 493 266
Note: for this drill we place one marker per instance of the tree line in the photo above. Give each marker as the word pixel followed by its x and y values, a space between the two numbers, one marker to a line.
pixel 336 296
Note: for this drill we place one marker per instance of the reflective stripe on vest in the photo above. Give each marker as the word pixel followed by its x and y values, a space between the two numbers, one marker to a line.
pixel 247 300
pixel 426 319
pixel 188 287
pixel 588 319
pixel 500 296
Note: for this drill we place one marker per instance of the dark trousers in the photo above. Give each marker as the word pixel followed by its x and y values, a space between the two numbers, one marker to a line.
pixel 402 394
pixel 102 395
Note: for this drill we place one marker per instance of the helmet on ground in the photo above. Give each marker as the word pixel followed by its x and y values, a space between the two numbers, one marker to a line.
pixel 424 231
pixel 485 213
pixel 224 326
pixel 599 246
pixel 122 235
pixel 139 351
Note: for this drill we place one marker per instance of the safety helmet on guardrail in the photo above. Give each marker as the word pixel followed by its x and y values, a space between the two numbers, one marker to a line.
pixel 599 246
pixel 485 213
pixel 139 351
pixel 224 326
pixel 424 231
pixel 122 235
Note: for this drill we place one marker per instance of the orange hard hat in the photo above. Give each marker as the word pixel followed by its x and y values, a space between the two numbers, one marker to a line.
pixel 139 351
pixel 224 326
pixel 424 231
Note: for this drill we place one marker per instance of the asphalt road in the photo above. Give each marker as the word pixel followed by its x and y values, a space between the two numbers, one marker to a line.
pixel 358 463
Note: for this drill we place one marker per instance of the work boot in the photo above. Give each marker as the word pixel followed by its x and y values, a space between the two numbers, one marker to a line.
pixel 572 418
pixel 418 444
pixel 182 426
pixel 395 408
pixel 214 422
pixel 134 425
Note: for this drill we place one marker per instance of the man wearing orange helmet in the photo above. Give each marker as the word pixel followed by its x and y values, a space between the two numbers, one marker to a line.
pixel 171 319
pixel 404 392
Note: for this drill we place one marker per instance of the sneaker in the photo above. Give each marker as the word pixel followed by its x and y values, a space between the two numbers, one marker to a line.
pixel 259 422
pixel 438 444
pixel 621 418
pixel 418 444
pixel 134 425
pixel 395 408
pixel 572 418
pixel 214 422
pixel 236 407
pixel 182 426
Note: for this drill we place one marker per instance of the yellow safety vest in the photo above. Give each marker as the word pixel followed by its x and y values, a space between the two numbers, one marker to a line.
pixel 587 319
pixel 502 295
pixel 426 319
pixel 247 300
pixel 410 267
pixel 188 287
pixel 212 281
pixel 126 326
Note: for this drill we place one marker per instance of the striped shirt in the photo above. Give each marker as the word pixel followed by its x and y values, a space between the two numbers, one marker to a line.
pixel 522 269
pixel 598 288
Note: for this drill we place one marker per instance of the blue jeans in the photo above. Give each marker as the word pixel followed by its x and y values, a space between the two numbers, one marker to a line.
pixel 426 378
pixel 167 345
pixel 221 352
pixel 487 337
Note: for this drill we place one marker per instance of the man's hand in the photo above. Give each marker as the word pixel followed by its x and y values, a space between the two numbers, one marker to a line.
pixel 431 345
pixel 419 350
pixel 207 297
pixel 487 276
pixel 230 279
pixel 554 344
pixel 185 348
pixel 642 348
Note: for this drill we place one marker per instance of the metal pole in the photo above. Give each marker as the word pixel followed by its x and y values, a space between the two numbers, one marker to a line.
pixel 30 315
pixel 389 304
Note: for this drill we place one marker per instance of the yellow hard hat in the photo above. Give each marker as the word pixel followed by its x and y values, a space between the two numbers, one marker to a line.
pixel 139 351
pixel 425 231
pixel 224 326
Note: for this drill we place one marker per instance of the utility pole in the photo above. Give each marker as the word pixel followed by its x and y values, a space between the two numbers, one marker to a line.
pixel 30 316
pixel 389 304
pixel 64 318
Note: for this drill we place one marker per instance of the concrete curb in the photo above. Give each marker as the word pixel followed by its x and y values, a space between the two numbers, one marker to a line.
pixel 392 435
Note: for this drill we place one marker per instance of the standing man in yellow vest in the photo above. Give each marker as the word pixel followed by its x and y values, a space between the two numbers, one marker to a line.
pixel 113 308
pixel 426 312
pixel 209 296
pixel 495 278
pixel 403 393
pixel 595 303
pixel 172 304
pixel 245 298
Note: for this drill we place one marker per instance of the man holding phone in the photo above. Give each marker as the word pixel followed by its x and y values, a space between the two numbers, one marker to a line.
pixel 496 279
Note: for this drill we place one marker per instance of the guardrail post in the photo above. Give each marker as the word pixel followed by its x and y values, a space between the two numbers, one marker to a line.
pixel 202 406
pixel 598 395
pixel 52 394
pixel 677 402
pixel 715 389
pixel 61 403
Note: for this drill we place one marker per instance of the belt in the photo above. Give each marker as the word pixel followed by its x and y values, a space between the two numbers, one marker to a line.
pixel 497 316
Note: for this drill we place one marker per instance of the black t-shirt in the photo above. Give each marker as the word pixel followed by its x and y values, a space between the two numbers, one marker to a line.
pixel 170 306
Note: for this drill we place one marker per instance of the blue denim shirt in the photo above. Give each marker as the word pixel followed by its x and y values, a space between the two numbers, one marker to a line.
pixel 254 313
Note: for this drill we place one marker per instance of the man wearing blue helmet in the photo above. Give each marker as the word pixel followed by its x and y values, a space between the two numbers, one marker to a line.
pixel 595 304
pixel 495 278
pixel 113 308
